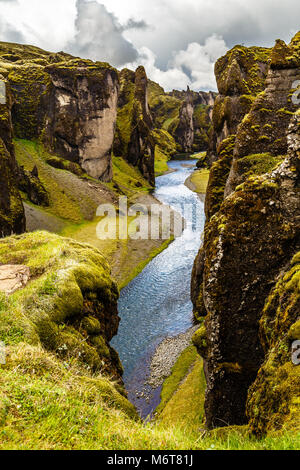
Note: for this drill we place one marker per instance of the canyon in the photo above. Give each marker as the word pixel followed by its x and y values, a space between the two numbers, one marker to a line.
pixel 75 134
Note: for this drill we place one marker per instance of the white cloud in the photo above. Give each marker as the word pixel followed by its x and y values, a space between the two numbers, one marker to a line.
pixel 99 35
pixel 193 66
pixel 169 79
pixel 176 40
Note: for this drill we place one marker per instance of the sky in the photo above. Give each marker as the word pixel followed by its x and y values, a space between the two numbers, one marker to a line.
pixel 178 41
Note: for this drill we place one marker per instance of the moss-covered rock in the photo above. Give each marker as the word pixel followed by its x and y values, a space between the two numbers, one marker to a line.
pixel 264 129
pixel 12 219
pixel 70 305
pixel 218 176
pixel 247 243
pixel 274 398
pixel 133 140
pixel 69 103
pixel 240 75
pixel 186 115
pixel 30 184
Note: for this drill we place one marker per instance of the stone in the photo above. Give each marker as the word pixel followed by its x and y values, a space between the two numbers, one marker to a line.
pixel 13 278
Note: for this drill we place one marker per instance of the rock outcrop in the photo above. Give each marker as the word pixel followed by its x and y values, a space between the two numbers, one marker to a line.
pixel 69 307
pixel 185 115
pixel 12 218
pixel 81 119
pixel 30 184
pixel 69 103
pixel 240 76
pixel 244 285
pixel 133 139
pixel 184 133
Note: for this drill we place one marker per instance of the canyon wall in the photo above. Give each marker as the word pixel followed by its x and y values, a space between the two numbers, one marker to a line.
pixel 240 76
pixel 244 286
pixel 133 140
pixel 12 218
pixel 68 103
pixel 185 115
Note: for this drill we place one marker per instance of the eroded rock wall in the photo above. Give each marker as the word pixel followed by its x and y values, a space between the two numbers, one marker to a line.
pixel 69 103
pixel 252 234
pixel 184 133
pixel 133 139
pixel 185 115
pixel 240 76
pixel 12 218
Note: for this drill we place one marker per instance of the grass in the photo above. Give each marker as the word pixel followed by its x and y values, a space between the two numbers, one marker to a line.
pixel 198 181
pixel 180 369
pixel 73 205
pixel 45 404
pixel 199 155
pixel 186 407
pixel 182 395
pixel 127 179
pixel 127 258
pixel 161 162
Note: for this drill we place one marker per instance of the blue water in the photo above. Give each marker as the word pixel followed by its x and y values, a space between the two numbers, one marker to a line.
pixel 157 304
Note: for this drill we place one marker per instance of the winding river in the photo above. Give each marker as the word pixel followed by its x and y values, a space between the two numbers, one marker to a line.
pixel 156 304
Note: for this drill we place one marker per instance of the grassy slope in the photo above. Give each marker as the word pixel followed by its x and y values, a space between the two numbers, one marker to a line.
pixel 198 181
pixel 73 205
pixel 46 405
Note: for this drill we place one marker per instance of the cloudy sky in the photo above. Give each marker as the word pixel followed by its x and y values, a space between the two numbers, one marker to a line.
pixel 177 41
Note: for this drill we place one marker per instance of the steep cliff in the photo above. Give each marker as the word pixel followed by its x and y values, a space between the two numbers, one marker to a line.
pixel 184 132
pixel 240 76
pixel 12 218
pixel 133 139
pixel 251 236
pixel 70 104
pixel 186 115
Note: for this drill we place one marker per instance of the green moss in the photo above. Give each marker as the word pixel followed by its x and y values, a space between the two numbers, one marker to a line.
pixel 180 370
pixel 165 108
pixel 64 273
pixel 238 63
pixel 258 164
pixel 274 398
pixel 200 180
pixel 165 148
pixel 29 84
pixel 200 340
pixel 218 176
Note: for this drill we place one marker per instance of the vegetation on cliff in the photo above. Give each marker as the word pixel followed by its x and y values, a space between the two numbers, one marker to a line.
pixel 250 246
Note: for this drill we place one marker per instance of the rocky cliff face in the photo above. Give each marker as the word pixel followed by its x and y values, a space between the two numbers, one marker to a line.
pixel 240 76
pixel 133 139
pixel 185 115
pixel 12 218
pixel 184 133
pixel 244 291
pixel 81 118
pixel 71 104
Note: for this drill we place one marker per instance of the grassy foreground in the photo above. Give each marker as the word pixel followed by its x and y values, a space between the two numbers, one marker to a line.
pixel 45 404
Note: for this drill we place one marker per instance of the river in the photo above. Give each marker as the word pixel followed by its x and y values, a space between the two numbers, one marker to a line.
pixel 156 304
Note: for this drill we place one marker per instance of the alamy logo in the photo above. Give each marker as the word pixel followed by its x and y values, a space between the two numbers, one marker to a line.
pixel 2 92
pixel 296 94
pixel 2 353
pixel 296 353
pixel 140 222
